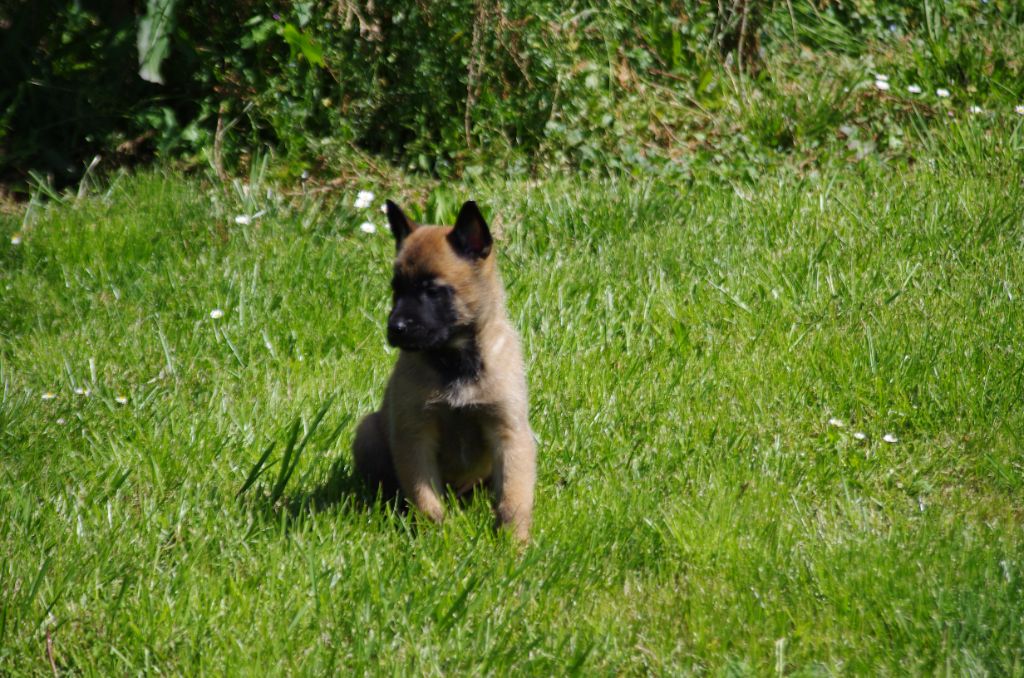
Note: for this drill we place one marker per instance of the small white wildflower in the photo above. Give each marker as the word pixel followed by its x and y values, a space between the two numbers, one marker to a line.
pixel 61 421
pixel 890 438
pixel 216 314
pixel 121 400
pixel 1019 110
pixel 883 78
pixel 838 423
pixel 367 227
pixel 942 93
pixel 82 391
pixel 860 435
pixel 975 110
pixel 913 89
pixel 881 85
pixel 384 205
pixel 49 395
pixel 16 239
pixel 246 219
pixel 364 199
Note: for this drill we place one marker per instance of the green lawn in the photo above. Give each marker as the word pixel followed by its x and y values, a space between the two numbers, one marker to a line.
pixel 687 348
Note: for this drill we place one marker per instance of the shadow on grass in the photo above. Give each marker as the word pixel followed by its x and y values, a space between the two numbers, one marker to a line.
pixel 349 490
pixel 341 487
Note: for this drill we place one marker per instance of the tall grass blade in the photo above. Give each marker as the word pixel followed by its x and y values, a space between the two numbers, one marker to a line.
pixel 257 469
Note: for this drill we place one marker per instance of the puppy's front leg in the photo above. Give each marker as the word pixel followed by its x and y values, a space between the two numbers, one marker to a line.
pixel 515 474
pixel 419 474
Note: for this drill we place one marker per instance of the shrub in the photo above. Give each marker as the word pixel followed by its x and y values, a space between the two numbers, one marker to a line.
pixel 472 87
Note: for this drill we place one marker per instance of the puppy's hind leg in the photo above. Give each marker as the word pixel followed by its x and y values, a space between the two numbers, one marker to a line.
pixel 372 456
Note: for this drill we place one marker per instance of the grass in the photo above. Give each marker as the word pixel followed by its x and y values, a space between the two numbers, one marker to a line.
pixel 687 347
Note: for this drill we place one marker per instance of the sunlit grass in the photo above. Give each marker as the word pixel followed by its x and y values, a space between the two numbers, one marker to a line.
pixel 780 429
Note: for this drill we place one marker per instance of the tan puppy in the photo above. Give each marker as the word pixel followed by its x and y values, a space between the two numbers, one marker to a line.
pixel 455 409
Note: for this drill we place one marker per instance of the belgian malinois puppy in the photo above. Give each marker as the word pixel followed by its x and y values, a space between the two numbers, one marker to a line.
pixel 455 411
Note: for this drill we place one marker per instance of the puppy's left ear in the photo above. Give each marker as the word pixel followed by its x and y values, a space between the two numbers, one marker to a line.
pixel 471 238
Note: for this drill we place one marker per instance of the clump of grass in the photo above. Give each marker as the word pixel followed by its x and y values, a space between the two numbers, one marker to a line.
pixel 289 460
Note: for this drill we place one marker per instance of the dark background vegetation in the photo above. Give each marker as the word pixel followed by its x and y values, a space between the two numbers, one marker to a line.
pixel 467 87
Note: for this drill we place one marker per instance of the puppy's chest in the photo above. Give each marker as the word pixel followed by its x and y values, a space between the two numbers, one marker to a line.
pixel 464 448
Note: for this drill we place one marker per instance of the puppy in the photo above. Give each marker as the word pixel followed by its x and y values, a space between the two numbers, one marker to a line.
pixel 455 408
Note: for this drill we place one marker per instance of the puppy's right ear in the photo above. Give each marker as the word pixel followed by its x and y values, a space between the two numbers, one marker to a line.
pixel 401 225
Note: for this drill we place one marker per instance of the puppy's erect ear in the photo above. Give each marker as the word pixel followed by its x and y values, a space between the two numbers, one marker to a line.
pixel 401 225
pixel 470 238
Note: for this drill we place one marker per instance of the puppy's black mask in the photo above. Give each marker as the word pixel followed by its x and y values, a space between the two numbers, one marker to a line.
pixel 422 315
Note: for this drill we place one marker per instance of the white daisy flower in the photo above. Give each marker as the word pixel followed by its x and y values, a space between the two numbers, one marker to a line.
pixel 49 395
pixel 16 239
pixel 61 421
pixel 838 423
pixel 913 89
pixel 975 110
pixel 881 85
pixel 216 314
pixel 246 219
pixel 1019 110
pixel 860 435
pixel 82 391
pixel 883 78
pixel 364 199
pixel 942 93
pixel 121 400
pixel 367 227
pixel 384 205
pixel 890 438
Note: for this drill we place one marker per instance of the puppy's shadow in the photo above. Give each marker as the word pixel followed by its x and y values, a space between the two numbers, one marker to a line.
pixel 345 490
pixel 342 488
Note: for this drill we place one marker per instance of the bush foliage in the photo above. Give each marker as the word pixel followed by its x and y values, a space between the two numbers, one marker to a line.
pixel 470 86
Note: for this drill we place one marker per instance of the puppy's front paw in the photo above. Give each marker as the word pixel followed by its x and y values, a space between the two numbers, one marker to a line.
pixel 516 523
pixel 432 509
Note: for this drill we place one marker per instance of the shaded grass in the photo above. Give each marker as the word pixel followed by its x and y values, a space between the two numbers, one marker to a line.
pixel 686 347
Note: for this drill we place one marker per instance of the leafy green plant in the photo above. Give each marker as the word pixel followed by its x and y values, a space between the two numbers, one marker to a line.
pixel 473 87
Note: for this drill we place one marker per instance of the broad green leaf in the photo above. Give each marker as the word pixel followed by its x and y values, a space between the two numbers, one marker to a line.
pixel 300 42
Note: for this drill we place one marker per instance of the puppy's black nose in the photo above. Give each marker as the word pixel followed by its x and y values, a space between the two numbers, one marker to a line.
pixel 399 330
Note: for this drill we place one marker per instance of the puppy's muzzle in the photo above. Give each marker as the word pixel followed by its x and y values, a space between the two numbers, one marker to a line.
pixel 408 334
pixel 399 331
